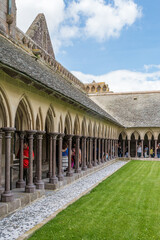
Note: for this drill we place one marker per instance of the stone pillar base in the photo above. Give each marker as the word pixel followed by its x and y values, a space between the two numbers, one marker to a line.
pixel 60 177
pixel 99 163
pixel 94 164
pixel 40 185
pixel 1 190
pixel 49 175
pixel 20 184
pixel 78 170
pixel 30 188
pixel 7 197
pixel 90 166
pixel 53 180
pixel 69 174
pixel 84 168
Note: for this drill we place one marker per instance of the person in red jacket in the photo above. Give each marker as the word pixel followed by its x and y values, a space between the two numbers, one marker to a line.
pixel 25 160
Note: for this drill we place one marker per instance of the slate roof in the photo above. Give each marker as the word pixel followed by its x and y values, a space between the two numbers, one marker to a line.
pixel 134 109
pixel 16 58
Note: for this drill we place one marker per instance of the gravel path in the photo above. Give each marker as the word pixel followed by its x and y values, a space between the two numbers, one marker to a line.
pixel 23 220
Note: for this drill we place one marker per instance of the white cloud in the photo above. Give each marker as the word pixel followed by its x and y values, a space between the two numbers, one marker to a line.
pixel 151 66
pixel 124 80
pixel 90 19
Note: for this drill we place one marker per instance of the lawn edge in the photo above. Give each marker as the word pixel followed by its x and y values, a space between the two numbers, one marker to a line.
pixel 29 233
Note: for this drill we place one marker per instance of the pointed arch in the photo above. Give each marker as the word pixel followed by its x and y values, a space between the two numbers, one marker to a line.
pixel 5 113
pixel 68 124
pixel 24 119
pixel 49 122
pixel 39 121
pixel 84 127
pixel 76 126
pixel 99 131
pixel 60 125
pixel 95 132
pixel 90 129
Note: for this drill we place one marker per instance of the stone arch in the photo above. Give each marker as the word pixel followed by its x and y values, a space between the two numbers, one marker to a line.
pixel 84 127
pixel 39 121
pixel 76 125
pixel 93 89
pixel 49 121
pixel 136 135
pixel 5 113
pixel 87 88
pixel 95 132
pixel 68 124
pixel 24 115
pixel 103 133
pixel 90 129
pixel 124 135
pixel 149 134
pixel 60 125
pixel 99 131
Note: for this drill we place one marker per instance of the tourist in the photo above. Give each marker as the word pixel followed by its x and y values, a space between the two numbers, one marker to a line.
pixel 64 156
pixel 25 160
pixel 107 157
pixel 119 150
pixel 145 151
pixel 139 150
pixel 151 152
pixel 73 161
pixel 158 150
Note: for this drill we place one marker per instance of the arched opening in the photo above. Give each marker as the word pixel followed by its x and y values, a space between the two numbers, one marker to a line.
pixel 98 88
pixel 93 89
pixel 133 145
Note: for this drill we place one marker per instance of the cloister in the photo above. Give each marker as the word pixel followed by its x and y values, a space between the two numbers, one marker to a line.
pixel 42 101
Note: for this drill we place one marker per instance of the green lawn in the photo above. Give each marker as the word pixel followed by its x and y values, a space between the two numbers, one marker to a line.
pixel 126 206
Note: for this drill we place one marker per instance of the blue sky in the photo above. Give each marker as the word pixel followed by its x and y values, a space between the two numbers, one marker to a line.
pixel 104 40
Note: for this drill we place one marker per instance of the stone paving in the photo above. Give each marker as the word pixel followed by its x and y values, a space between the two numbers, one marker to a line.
pixel 24 219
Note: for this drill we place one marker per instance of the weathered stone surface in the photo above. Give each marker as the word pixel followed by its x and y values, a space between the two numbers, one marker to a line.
pixel 38 32
pixel 44 75
pixel 132 109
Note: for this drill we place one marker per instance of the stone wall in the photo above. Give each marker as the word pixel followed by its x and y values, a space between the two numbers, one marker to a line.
pixel 7 19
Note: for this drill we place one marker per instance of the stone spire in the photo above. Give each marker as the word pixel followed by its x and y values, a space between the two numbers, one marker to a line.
pixel 38 32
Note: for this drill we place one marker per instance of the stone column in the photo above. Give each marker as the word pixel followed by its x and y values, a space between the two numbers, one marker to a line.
pixel 124 147
pixel 53 178
pixel 156 148
pixel 60 175
pixel 69 171
pixel 1 188
pixel 149 148
pixel 84 166
pixel 39 182
pixel 77 168
pixel 116 148
pixel 129 148
pixel 95 151
pixel 7 196
pixel 108 149
pixel 136 147
pixel 99 151
pixel 49 175
pixel 30 187
pixel 21 183
pixel 87 152
pixel 105 149
pixel 142 149
pixel 111 148
pixel 90 153
pixel 102 150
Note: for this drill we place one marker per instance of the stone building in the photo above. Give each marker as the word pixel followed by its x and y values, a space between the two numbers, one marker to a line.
pixel 42 101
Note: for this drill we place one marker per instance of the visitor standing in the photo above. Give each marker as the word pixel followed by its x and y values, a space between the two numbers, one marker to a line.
pixel 158 150
pixel 139 150
pixel 64 156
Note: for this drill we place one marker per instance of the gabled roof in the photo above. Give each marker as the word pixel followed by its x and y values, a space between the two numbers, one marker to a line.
pixel 38 32
pixel 136 109
pixel 17 59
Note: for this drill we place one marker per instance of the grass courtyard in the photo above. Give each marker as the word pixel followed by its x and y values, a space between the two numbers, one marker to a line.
pixel 126 206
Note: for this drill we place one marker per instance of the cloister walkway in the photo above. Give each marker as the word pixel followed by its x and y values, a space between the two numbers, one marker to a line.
pixel 23 222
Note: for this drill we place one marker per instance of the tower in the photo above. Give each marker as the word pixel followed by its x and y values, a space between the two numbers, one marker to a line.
pixel 8 17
